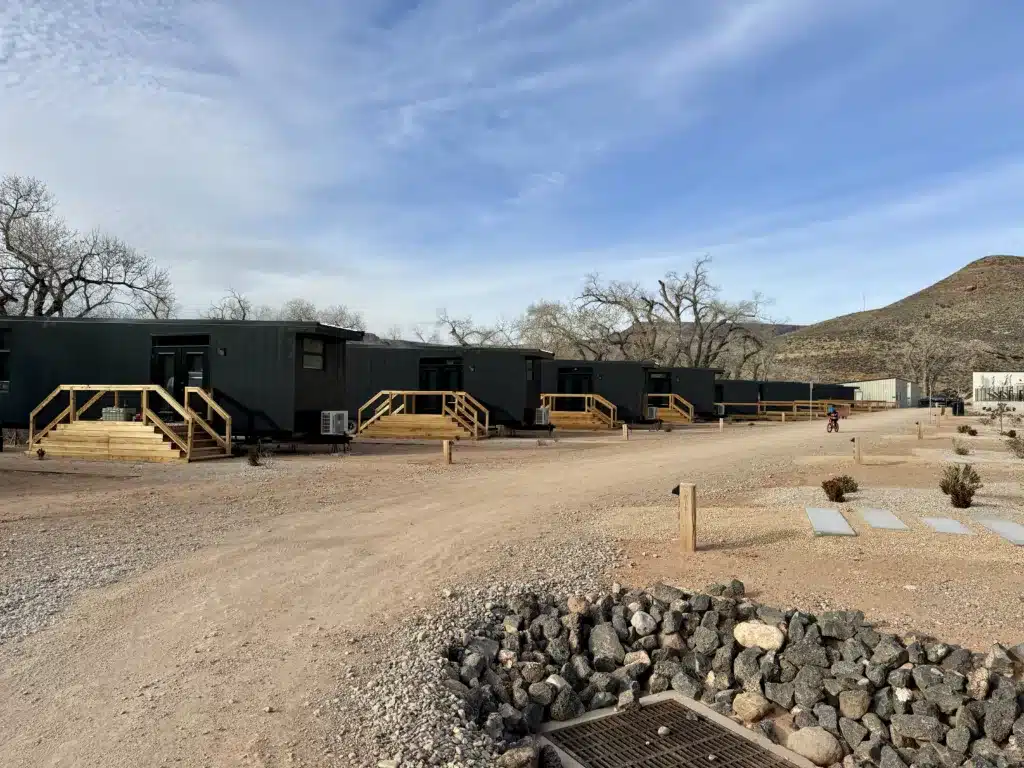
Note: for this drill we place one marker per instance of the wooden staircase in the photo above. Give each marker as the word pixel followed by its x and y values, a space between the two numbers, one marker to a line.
pixel 72 435
pixel 592 412
pixel 392 414
pixel 672 408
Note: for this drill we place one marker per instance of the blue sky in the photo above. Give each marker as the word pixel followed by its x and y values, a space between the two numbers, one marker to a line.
pixel 402 156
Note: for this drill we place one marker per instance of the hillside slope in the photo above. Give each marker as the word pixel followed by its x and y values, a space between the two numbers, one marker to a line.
pixel 979 311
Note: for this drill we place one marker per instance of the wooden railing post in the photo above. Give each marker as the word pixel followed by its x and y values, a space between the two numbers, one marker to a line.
pixel 71 399
pixel 145 406
pixel 687 517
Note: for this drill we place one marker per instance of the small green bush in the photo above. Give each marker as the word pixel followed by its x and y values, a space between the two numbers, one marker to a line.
pixel 833 488
pixel 959 482
pixel 963 429
pixel 1011 433
pixel 972 432
pixel 960 448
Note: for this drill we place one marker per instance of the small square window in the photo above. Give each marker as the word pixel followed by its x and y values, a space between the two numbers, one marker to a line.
pixel 313 354
pixel 313 346
pixel 313 362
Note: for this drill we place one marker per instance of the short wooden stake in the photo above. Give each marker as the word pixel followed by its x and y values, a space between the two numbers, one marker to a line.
pixel 688 517
pixel 920 431
pixel 721 423
pixel 625 431
pixel 856 451
pixel 446 451
pixel 783 417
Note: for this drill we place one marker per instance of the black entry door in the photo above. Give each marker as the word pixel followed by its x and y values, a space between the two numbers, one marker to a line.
pixel 177 367
pixel 659 383
pixel 438 375
pixel 574 381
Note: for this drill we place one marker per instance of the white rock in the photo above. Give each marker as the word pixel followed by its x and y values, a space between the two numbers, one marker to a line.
pixel 643 623
pixel 817 745
pixel 754 634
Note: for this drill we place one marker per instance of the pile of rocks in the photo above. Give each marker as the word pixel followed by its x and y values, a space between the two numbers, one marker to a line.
pixel 829 687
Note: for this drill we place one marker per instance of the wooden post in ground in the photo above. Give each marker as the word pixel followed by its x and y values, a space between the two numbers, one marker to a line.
pixel 721 423
pixel 687 517
pixel 625 431
pixel 446 451
pixel 783 417
pixel 857 457
pixel 920 431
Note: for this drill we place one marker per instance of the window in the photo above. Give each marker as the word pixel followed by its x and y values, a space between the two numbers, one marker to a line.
pixel 313 354
pixel 529 369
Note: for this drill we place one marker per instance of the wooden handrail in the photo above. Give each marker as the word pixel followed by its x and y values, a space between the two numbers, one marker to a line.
pixel 591 403
pixel 211 404
pixel 460 405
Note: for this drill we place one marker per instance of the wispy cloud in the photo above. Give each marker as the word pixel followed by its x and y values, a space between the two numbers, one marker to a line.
pixel 400 156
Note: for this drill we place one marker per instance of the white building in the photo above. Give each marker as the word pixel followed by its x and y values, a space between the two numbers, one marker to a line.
pixel 991 388
pixel 899 393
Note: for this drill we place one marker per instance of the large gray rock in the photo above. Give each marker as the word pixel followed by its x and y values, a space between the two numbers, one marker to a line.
pixel 780 693
pixel 919 727
pixel 705 640
pixel 890 758
pixel 567 705
pixel 817 745
pixel 853 732
pixel 666 594
pixel 889 653
pixel 1000 715
pixel 686 685
pixel 806 653
pixel 998 661
pixel 854 704
pixel 542 693
pixel 606 648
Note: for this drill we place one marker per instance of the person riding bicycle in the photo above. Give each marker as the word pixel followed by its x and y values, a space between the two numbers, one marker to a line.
pixel 833 414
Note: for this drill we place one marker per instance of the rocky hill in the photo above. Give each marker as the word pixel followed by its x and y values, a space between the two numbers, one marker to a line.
pixel 977 312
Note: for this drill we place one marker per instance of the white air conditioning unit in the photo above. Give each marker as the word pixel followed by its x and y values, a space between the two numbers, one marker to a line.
pixel 542 417
pixel 652 413
pixel 334 423
pixel 719 409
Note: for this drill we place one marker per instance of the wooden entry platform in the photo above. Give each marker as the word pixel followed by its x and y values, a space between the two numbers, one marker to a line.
pixel 592 412
pixel 147 437
pixel 399 414
pixel 672 408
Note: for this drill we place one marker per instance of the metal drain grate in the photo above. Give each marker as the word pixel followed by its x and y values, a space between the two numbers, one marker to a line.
pixel 630 740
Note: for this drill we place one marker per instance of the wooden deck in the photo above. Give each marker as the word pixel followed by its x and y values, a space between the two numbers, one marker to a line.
pixel 398 415
pixel 592 412
pixel 672 408
pixel 73 434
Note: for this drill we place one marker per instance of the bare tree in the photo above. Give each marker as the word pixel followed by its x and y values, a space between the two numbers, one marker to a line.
pixel 925 358
pixel 463 332
pixel 232 306
pixel 48 269
pixel 341 316
pixel 570 330
pixel 394 333
pixel 684 320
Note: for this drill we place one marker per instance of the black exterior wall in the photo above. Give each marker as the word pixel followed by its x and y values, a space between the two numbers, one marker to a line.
pixel 506 381
pixel 254 368
pixel 751 391
pixel 624 384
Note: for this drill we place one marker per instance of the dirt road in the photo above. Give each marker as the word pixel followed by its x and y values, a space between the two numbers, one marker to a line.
pixel 217 658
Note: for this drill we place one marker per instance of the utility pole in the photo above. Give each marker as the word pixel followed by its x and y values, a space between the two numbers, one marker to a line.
pixel 810 404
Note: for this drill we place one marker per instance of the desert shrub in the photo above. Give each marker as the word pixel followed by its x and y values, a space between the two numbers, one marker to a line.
pixel 972 432
pixel 961 448
pixel 1011 433
pixel 847 483
pixel 667 428
pixel 255 456
pixel 963 429
pixel 833 488
pixel 1016 446
pixel 41 453
pixel 959 482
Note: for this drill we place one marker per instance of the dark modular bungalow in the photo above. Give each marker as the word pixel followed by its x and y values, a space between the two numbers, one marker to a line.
pixel 273 378
pixel 741 396
pixel 626 384
pixel 505 380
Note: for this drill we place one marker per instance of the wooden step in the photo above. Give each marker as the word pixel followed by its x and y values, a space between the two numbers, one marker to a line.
pixel 416 427
pixel 672 416
pixel 582 420
pixel 104 454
